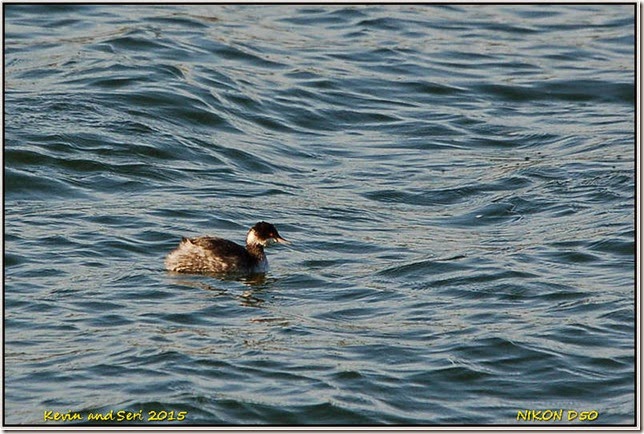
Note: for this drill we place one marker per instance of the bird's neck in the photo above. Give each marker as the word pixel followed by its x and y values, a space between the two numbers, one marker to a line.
pixel 256 250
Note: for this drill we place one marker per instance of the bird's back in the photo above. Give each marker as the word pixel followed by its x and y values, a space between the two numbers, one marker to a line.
pixel 208 255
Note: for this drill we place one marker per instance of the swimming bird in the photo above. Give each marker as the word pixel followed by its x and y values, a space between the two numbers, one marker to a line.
pixel 216 255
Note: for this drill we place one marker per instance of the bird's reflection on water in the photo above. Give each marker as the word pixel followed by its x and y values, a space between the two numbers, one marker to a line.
pixel 257 284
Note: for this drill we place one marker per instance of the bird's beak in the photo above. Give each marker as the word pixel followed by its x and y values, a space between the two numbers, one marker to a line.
pixel 282 240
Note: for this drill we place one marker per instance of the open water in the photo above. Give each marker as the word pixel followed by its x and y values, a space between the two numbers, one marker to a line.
pixel 458 183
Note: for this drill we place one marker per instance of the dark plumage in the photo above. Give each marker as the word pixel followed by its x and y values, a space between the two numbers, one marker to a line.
pixel 217 255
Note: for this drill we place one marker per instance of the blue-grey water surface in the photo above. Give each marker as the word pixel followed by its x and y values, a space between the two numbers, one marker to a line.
pixel 457 183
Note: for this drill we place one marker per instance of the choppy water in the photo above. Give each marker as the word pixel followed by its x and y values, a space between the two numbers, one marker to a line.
pixel 457 182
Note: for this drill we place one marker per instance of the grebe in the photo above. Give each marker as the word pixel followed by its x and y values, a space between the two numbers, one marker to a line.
pixel 216 255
